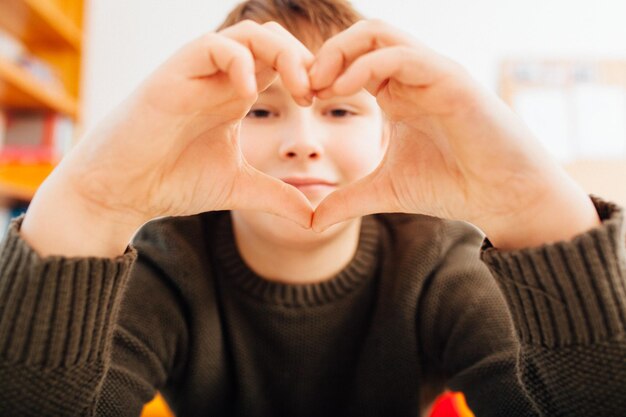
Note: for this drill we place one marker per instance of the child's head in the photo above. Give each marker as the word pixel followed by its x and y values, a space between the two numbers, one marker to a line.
pixel 338 140
pixel 310 21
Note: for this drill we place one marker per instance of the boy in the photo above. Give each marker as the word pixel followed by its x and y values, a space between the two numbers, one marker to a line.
pixel 229 309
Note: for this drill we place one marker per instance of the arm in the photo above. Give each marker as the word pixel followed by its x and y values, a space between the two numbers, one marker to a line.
pixel 78 335
pixel 56 326
pixel 529 339
pixel 64 343
pixel 149 342
pixel 457 151
pixel 568 303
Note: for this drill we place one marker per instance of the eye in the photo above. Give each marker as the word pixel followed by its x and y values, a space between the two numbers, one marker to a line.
pixel 340 113
pixel 259 114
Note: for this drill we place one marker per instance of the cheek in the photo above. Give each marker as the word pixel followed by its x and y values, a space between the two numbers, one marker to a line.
pixel 256 147
pixel 358 155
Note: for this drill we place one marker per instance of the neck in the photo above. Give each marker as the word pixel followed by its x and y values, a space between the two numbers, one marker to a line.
pixel 297 263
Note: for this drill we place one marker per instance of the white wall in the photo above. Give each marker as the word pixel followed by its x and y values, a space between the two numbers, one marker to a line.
pixel 127 39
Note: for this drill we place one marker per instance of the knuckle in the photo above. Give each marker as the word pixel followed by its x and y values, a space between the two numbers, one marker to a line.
pixel 330 45
pixel 374 24
pixel 361 23
pixel 248 24
pixel 242 55
pixel 209 38
pixel 404 50
pixel 273 24
pixel 209 41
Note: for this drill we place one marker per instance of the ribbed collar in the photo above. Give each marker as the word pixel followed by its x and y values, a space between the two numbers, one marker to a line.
pixel 236 271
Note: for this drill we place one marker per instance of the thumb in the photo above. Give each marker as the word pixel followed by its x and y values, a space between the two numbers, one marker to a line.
pixel 371 194
pixel 258 191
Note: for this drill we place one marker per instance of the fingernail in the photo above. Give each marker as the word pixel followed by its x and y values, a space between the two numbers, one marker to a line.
pixel 301 101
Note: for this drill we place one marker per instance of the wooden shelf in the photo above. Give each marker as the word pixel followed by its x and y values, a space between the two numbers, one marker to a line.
pixel 40 22
pixel 20 89
pixel 51 31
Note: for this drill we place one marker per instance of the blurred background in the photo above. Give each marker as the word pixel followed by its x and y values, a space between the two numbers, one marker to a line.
pixel 560 64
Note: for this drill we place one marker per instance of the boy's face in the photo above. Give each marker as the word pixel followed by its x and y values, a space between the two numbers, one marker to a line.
pixel 318 149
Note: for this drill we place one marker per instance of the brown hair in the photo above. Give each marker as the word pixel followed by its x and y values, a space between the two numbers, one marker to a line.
pixel 311 21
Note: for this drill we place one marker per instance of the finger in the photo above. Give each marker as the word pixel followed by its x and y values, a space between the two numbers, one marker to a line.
pixel 277 28
pixel 308 57
pixel 341 50
pixel 258 191
pixel 372 70
pixel 211 54
pixel 280 51
pixel 372 194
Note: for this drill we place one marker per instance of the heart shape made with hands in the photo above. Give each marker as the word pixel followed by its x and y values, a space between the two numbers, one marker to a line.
pixel 455 150
pixel 414 87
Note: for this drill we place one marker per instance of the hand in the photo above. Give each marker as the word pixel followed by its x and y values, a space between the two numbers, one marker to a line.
pixel 172 147
pixel 454 150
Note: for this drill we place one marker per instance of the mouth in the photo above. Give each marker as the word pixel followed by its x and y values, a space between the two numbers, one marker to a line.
pixel 311 185
pixel 308 181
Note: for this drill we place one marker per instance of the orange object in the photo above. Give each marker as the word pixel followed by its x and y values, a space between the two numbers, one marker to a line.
pixel 451 404
pixel 22 180
pixel 157 408
pixel 52 31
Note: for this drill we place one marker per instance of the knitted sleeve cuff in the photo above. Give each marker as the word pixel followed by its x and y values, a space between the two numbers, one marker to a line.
pixel 568 292
pixel 57 311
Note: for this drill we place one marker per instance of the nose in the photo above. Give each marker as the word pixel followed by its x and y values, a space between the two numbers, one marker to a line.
pixel 301 140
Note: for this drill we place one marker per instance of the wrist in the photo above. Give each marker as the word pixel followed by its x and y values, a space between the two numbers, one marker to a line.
pixel 562 215
pixel 61 222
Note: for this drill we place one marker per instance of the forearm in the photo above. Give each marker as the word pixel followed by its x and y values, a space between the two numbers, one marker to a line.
pixel 58 317
pixel 568 305
pixel 60 222
pixel 566 211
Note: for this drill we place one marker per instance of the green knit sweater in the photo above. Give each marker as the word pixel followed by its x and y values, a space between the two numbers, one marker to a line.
pixel 426 304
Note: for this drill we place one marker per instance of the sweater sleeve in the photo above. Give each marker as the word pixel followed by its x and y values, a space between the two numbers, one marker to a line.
pixel 68 344
pixel 568 305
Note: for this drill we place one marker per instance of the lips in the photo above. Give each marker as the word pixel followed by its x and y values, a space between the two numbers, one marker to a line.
pixel 315 189
pixel 308 181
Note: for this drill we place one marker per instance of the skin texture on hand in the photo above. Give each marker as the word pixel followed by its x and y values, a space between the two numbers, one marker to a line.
pixel 456 151
pixel 178 154
pixel 171 148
